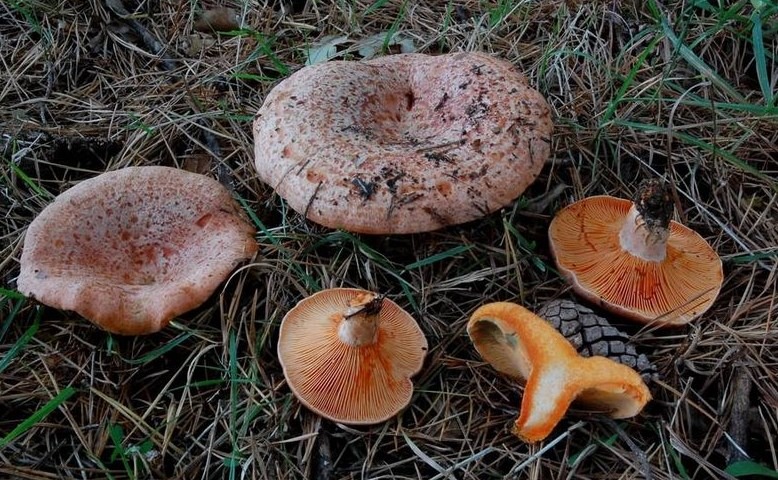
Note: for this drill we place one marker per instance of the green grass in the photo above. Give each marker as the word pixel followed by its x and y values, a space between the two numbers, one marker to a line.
pixel 38 416
pixel 33 185
pixel 23 340
pixel 749 468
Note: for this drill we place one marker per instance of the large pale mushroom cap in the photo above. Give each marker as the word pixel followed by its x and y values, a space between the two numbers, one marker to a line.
pixel 350 384
pixel 403 143
pixel 131 249
pixel 677 286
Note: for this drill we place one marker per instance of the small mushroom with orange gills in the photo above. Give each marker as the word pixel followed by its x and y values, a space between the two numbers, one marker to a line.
pixel 522 345
pixel 131 249
pixel 348 355
pixel 630 258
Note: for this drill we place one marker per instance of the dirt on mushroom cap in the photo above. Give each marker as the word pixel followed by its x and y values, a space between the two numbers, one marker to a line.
pixel 404 143
pixel 132 248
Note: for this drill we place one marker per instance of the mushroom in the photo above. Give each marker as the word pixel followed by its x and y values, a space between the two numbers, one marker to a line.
pixel 591 334
pixel 348 355
pixel 522 345
pixel 632 259
pixel 404 143
pixel 131 249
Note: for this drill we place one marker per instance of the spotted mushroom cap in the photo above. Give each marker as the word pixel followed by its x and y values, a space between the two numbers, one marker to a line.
pixel 351 385
pixel 131 249
pixel 584 239
pixel 404 143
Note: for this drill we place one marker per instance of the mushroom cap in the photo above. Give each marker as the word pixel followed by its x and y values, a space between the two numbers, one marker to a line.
pixel 403 143
pixel 524 346
pixel 351 385
pixel 584 240
pixel 131 249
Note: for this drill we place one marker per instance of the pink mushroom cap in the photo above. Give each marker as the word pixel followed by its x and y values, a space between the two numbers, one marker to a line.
pixel 404 143
pixel 133 248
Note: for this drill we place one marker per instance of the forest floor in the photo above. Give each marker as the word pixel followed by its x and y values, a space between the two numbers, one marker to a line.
pixel 680 90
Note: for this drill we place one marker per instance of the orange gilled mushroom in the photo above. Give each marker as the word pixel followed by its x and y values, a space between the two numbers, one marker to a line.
pixel 522 345
pixel 132 248
pixel 348 355
pixel 630 258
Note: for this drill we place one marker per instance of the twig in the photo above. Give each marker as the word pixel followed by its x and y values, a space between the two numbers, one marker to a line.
pixel 737 433
pixel 155 46
pixel 323 469
pixel 151 42
pixel 640 455
pixel 223 173
pixel 542 202
pixel 447 145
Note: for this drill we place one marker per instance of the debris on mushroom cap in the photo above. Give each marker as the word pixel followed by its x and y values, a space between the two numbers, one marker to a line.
pixel 348 355
pixel 522 345
pixel 131 249
pixel 403 143
pixel 592 334
pixel 633 260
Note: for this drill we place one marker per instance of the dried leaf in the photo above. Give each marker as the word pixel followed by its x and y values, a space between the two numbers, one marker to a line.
pixel 218 20
pixel 370 46
pixel 326 49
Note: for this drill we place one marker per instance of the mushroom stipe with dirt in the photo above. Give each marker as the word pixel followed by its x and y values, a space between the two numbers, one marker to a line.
pixel 348 355
pixel 630 258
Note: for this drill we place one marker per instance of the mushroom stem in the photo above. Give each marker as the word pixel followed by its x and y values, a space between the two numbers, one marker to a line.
pixel 359 326
pixel 647 226
pixel 647 241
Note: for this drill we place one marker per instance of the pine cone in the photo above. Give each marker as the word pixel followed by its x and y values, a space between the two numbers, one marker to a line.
pixel 591 334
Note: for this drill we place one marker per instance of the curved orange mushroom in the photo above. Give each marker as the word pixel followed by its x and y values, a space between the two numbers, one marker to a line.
pixel 630 258
pixel 348 355
pixel 522 345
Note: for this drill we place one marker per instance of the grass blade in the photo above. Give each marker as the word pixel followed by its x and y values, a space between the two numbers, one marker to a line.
pixel 36 417
pixel 760 57
pixel 116 432
pixel 375 6
pixel 748 467
pixel 438 257
pixel 10 318
pixel 158 352
pixel 699 64
pixel 630 78
pixel 23 340
pixel 734 160
pixel 12 294
pixel 753 257
pixel 29 181
pixel 232 462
